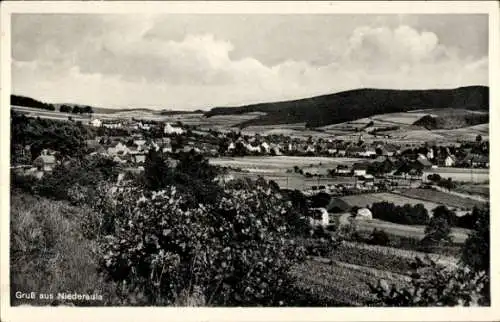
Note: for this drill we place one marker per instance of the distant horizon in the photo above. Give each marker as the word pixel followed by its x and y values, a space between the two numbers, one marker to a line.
pixel 239 105
pixel 200 61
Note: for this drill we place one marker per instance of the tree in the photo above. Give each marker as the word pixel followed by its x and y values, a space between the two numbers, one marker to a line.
pixel 479 138
pixel 87 109
pixel 439 228
pixel 354 211
pixel 156 171
pixel 65 108
pixel 476 251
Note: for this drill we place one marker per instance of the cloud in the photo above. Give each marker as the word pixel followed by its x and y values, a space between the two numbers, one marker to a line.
pixel 114 63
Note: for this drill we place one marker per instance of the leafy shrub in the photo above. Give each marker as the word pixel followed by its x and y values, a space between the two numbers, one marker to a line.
pixel 379 237
pixel 76 180
pixel 438 230
pixel 235 252
pixel 434 285
pixel 476 251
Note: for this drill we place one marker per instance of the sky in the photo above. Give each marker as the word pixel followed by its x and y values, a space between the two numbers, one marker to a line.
pixel 189 61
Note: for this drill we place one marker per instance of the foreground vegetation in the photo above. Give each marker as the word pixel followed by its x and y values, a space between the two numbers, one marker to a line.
pixel 173 235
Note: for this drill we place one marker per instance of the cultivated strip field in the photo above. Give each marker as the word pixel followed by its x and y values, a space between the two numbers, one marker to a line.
pixel 344 279
pixel 461 174
pixel 281 162
pixel 364 200
pixel 440 197
pixel 291 180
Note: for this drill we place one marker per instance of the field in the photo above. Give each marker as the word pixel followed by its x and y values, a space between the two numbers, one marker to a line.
pixel 281 163
pixel 343 281
pixel 405 118
pixel 439 197
pixel 198 119
pixel 275 168
pixel 363 200
pixel 339 283
pixel 460 174
pixel 459 235
pixel 475 189
pixel 291 180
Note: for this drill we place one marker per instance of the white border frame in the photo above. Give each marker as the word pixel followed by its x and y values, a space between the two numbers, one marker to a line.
pixel 244 314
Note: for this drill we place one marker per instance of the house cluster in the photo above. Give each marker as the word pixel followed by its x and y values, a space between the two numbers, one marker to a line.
pixel 324 147
pixel 45 162
pixel 127 150
pixel 133 124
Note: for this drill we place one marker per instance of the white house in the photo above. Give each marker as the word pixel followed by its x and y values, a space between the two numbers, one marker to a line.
pixel 359 169
pixel 430 154
pixel 252 148
pixel 119 148
pixel 265 147
pixel 449 161
pixel 332 151
pixel 320 217
pixel 45 162
pixel 310 148
pixel 140 144
pixel 96 123
pixel 169 129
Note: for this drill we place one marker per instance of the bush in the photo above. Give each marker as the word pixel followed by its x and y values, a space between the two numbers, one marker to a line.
pixel 379 237
pixel 405 215
pixel 438 231
pixel 433 285
pixel 76 180
pixel 236 252
pixel 476 251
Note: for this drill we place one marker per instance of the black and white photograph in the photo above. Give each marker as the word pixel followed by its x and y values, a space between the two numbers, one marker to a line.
pixel 264 159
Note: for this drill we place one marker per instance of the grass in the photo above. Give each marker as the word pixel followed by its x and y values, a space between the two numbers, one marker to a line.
pixel 412 231
pixel 49 254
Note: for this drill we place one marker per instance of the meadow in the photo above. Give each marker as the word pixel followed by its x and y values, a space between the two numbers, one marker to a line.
pixel 49 252
pixel 459 235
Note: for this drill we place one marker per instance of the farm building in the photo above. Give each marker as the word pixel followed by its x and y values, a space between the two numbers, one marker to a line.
pixel 364 213
pixel 359 169
pixel 423 161
pixel 449 161
pixel 169 129
pixel 45 162
pixel 96 123
pixel 320 217
pixel 140 158
pixel 343 169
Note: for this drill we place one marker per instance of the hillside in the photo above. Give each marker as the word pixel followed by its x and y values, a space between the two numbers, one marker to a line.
pixel 24 101
pixel 356 104
pixel 454 120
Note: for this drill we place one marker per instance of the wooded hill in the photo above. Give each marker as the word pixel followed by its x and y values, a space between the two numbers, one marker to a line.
pixel 355 104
